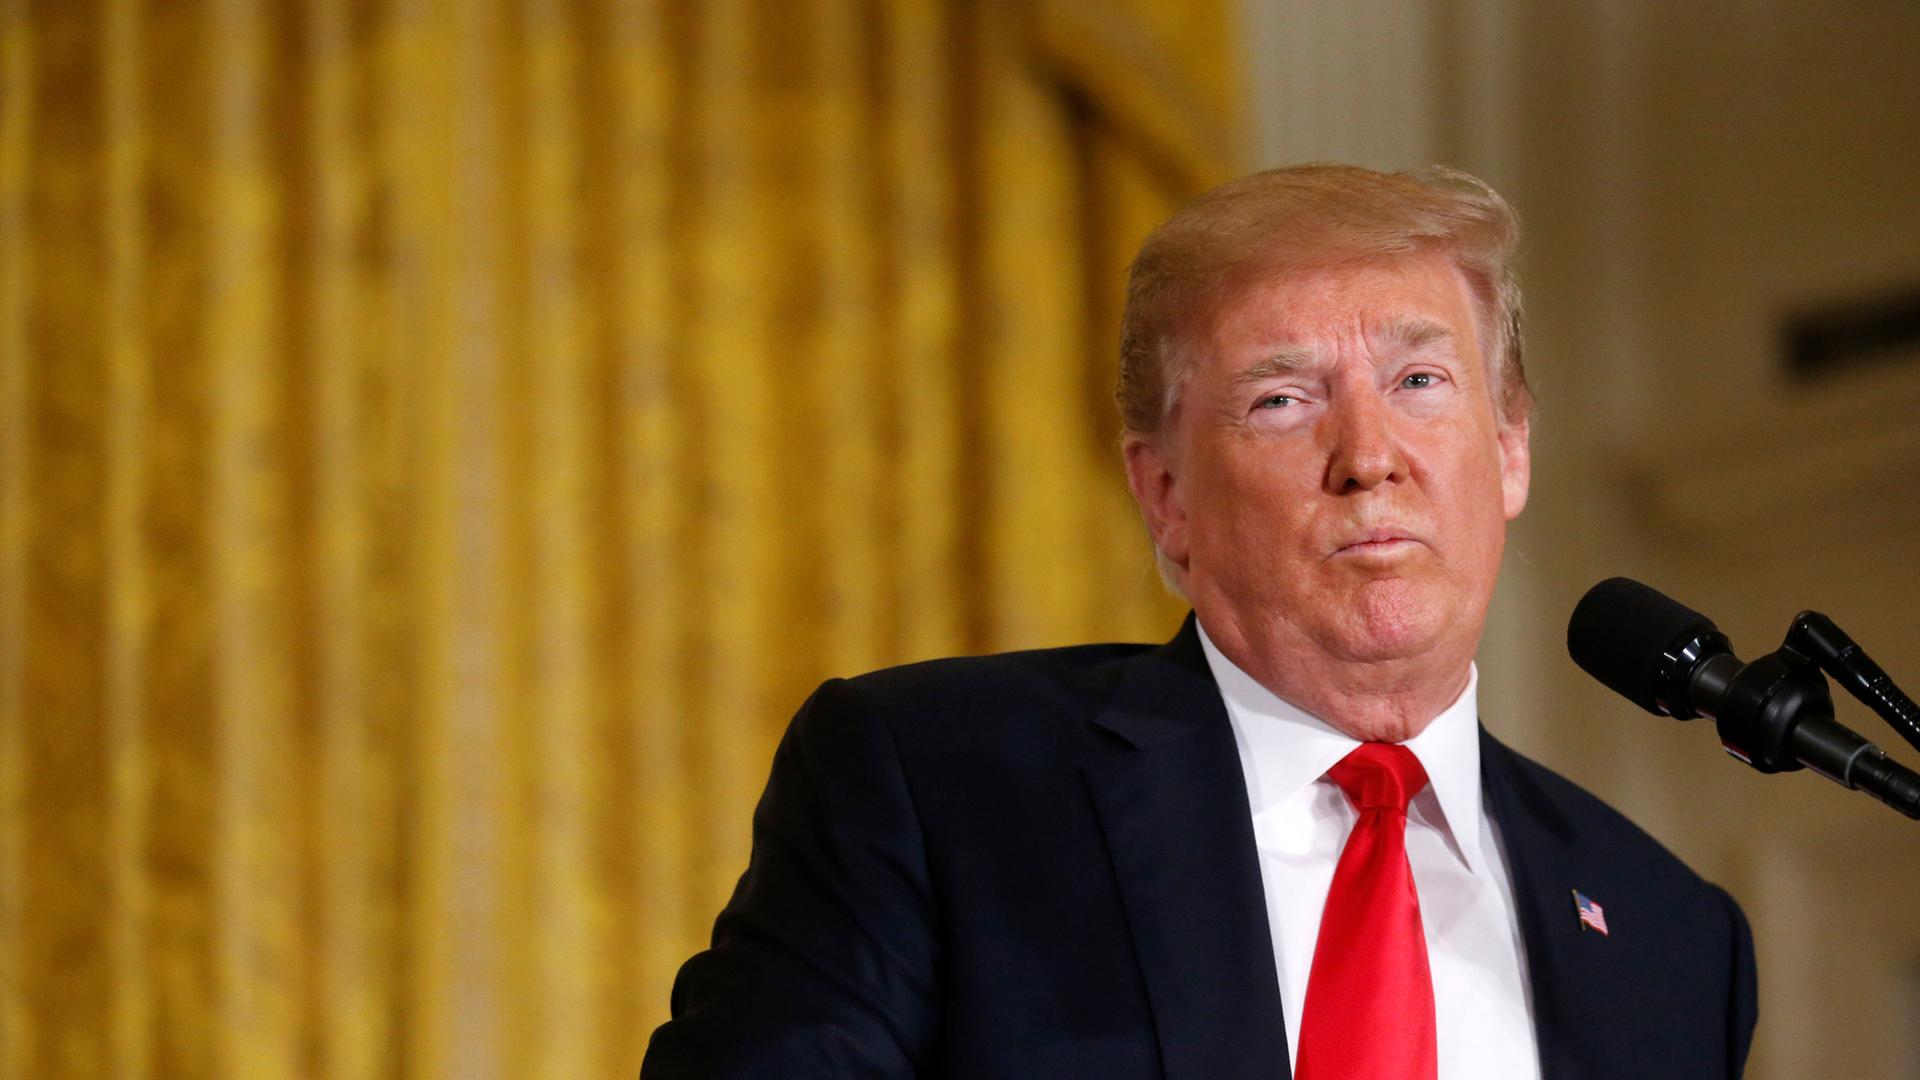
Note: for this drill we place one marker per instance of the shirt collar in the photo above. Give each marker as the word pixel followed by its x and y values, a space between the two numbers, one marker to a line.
pixel 1291 748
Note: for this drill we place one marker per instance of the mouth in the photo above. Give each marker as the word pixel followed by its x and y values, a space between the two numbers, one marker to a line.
pixel 1383 540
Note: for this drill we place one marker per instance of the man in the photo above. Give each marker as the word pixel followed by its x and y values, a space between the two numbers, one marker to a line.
pixel 1280 844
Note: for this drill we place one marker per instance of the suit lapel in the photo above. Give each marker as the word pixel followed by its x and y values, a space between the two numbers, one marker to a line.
pixel 1173 807
pixel 1539 842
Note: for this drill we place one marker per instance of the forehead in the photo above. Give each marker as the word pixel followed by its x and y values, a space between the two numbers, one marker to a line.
pixel 1323 304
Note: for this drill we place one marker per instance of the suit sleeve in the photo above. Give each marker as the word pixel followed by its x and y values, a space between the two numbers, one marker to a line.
pixel 1743 1008
pixel 824 963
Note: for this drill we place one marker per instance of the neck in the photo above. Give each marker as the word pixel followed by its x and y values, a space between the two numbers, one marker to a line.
pixel 1374 700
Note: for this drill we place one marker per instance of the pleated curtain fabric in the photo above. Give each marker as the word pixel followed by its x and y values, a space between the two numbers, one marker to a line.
pixel 442 440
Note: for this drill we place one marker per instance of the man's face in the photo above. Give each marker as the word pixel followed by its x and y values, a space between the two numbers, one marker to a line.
pixel 1334 480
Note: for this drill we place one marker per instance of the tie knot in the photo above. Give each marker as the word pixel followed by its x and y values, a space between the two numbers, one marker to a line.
pixel 1379 776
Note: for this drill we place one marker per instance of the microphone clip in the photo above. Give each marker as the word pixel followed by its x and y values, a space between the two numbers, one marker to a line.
pixel 1763 703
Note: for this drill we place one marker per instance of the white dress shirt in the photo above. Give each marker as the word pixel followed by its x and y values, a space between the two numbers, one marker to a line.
pixel 1301 819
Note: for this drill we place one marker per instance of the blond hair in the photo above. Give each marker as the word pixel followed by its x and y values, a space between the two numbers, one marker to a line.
pixel 1314 215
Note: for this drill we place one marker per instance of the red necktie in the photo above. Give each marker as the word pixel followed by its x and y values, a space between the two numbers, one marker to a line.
pixel 1369 1008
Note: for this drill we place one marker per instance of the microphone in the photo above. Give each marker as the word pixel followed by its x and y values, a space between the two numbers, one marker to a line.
pixel 1775 713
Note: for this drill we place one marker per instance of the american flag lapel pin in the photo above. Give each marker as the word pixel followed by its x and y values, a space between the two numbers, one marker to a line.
pixel 1591 917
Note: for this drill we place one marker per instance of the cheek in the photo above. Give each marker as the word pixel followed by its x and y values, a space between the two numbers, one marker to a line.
pixel 1481 518
pixel 1250 514
pixel 1462 483
pixel 1240 487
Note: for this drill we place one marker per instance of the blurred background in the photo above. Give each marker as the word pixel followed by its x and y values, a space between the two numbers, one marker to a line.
pixel 441 441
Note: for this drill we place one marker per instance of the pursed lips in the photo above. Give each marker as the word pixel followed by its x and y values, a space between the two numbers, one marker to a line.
pixel 1381 539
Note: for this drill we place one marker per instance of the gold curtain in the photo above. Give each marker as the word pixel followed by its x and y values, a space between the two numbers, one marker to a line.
pixel 442 440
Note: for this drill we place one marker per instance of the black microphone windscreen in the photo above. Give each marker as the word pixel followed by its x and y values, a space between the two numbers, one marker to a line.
pixel 1621 629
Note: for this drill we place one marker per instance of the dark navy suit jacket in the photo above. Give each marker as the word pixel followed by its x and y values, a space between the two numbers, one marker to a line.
pixel 1041 865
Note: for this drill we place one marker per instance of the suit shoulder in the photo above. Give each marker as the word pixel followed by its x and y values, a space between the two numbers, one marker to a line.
pixel 1015 702
pixel 1604 832
pixel 1031 678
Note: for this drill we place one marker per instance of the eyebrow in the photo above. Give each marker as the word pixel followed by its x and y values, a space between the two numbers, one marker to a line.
pixel 1409 334
pixel 1282 361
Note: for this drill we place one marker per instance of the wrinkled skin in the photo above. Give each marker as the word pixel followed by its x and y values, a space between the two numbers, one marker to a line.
pixel 1333 487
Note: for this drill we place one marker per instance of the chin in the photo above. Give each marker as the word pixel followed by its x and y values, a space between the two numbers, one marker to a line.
pixel 1391 620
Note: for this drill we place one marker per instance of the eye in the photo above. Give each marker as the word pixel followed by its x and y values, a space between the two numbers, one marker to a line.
pixel 1420 380
pixel 1274 401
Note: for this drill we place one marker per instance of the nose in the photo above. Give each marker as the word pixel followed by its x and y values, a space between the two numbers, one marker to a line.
pixel 1364 452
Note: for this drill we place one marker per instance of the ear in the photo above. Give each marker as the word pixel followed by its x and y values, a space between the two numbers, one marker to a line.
pixel 1516 467
pixel 1157 491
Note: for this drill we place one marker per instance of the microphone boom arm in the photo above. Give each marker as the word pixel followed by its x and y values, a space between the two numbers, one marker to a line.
pixel 1815 637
